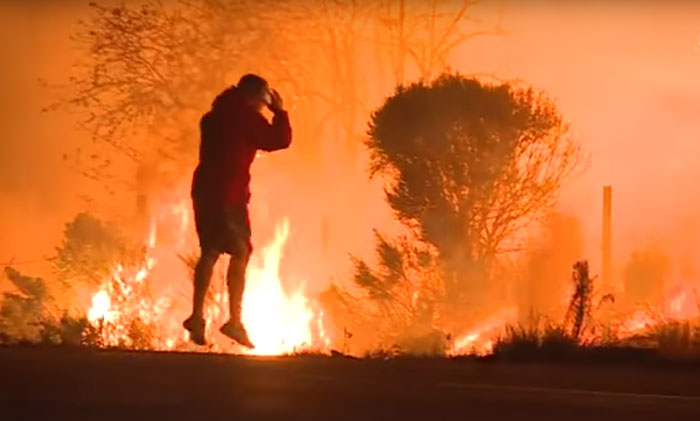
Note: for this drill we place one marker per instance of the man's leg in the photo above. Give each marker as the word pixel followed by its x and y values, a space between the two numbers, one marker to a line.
pixel 202 277
pixel 235 279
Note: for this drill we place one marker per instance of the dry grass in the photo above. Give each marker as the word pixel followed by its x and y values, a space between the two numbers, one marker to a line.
pixel 550 342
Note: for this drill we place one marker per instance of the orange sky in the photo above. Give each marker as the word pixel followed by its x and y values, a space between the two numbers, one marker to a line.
pixel 625 74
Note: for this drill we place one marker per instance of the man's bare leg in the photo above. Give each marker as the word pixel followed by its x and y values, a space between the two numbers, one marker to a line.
pixel 202 278
pixel 235 279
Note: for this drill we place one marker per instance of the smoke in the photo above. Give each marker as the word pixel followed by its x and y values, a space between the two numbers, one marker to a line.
pixel 41 184
pixel 625 76
pixel 37 191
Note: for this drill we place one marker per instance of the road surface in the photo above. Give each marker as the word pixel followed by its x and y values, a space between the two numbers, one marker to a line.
pixel 74 384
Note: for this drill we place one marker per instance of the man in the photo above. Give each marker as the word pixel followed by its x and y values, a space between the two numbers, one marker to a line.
pixel 231 134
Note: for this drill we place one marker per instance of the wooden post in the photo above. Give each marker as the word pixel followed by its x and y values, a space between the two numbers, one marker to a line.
pixel 607 257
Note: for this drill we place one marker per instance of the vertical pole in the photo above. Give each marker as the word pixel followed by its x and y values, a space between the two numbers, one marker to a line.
pixel 607 256
pixel 402 42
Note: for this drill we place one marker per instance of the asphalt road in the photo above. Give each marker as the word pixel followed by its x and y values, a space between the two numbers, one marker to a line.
pixel 64 384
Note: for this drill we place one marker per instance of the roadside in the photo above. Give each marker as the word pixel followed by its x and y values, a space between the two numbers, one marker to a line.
pixel 65 383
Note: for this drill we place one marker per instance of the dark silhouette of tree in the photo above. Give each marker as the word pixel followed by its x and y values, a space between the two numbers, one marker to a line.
pixel 472 164
pixel 469 166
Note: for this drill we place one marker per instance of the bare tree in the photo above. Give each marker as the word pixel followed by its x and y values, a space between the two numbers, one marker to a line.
pixel 424 34
pixel 153 65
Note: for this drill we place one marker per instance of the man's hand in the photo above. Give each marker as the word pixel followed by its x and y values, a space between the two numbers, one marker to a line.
pixel 276 104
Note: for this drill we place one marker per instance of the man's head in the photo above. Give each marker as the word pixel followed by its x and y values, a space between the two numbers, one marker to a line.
pixel 255 90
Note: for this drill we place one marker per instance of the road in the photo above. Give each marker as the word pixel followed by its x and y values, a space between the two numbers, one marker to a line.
pixel 73 384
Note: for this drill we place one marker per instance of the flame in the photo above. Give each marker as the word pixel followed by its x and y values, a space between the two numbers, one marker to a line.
pixel 682 303
pixel 639 322
pixel 278 322
pixel 100 307
pixel 480 339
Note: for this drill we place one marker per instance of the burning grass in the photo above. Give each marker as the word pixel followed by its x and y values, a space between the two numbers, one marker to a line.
pixel 139 303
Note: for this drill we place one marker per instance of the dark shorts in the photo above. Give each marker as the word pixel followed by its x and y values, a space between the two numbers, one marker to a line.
pixel 223 230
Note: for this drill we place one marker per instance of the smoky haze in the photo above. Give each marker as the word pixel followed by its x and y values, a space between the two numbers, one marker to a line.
pixel 39 192
pixel 624 74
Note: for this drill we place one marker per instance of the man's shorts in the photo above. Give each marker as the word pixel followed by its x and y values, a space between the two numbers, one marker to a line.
pixel 224 230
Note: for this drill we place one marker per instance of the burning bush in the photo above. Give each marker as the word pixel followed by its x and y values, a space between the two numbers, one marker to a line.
pixel 85 258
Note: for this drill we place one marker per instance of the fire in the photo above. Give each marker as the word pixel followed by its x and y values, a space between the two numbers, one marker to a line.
pixel 680 304
pixel 683 303
pixel 637 323
pixel 480 339
pixel 134 299
pixel 277 323
pixel 143 305
pixel 100 307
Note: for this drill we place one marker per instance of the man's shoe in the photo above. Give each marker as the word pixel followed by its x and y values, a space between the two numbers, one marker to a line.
pixel 237 332
pixel 196 329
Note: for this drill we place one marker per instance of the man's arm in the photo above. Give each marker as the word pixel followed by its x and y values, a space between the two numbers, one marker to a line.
pixel 275 136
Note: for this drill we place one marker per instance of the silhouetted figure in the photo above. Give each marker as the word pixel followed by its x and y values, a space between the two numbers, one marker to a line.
pixel 231 134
